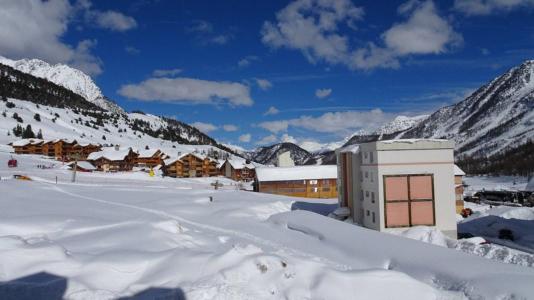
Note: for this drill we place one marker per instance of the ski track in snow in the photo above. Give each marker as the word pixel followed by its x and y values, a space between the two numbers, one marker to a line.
pixel 239 234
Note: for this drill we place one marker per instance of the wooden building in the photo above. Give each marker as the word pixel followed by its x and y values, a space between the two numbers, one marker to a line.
pixel 238 169
pixel 190 165
pixel 150 158
pixel 63 149
pixel 113 159
pixel 28 146
pixel 459 188
pixel 300 181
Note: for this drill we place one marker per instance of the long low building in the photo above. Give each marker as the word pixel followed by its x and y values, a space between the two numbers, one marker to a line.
pixel 301 181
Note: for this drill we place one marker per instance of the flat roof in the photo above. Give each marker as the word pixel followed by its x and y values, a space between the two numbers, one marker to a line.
pixel 296 173
pixel 413 144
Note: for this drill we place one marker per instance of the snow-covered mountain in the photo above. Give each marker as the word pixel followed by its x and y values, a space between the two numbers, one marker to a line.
pixel 497 117
pixel 400 123
pixel 268 155
pixel 67 77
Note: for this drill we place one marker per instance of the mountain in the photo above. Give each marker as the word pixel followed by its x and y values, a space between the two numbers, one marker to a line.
pixel 400 123
pixel 67 77
pixel 58 112
pixel 497 117
pixel 268 155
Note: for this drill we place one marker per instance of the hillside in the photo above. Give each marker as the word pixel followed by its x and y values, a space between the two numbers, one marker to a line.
pixel 59 112
pixel 268 155
pixel 67 77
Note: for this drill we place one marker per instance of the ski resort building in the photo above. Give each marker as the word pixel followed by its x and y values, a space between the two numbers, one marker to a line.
pixel 399 183
pixel 82 166
pixel 238 169
pixel 113 159
pixel 301 181
pixel 28 146
pixel 150 158
pixel 459 188
pixel 190 165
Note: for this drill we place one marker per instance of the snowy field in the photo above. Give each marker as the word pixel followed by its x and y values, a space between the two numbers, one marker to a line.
pixel 116 235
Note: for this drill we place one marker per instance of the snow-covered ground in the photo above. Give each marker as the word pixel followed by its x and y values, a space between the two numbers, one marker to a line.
pixel 113 235
pixel 479 183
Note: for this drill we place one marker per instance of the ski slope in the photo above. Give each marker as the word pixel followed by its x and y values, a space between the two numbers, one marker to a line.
pixel 115 235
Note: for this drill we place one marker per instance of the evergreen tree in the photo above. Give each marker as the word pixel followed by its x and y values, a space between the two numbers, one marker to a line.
pixel 37 117
pixel 17 131
pixel 4 98
pixel 104 137
pixel 28 133
pixel 40 134
pixel 146 147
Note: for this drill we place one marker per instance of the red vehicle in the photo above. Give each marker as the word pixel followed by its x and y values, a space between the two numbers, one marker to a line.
pixel 12 163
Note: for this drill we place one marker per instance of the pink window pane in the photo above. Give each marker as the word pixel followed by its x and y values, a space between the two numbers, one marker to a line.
pixel 422 213
pixel 397 214
pixel 420 187
pixel 396 188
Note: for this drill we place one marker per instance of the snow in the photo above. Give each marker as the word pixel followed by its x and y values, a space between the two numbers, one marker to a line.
pixel 110 153
pixel 239 164
pixel 530 185
pixel 458 171
pixel 65 76
pixel 296 173
pixel 400 123
pixel 121 234
pixel 147 153
pixel 84 165
pixel 24 142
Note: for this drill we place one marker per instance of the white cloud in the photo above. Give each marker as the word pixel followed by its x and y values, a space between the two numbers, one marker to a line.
pixel 286 138
pixel 270 139
pixel 487 7
pixel 112 20
pixel 205 32
pixel 339 123
pixel 34 29
pixel 188 90
pixel 424 32
pixel 323 93
pixel 132 50
pixel 200 26
pixel 246 61
pixel 230 127
pixel 264 84
pixel 313 27
pixel 221 39
pixel 245 138
pixel 164 73
pixel 204 127
pixel 271 111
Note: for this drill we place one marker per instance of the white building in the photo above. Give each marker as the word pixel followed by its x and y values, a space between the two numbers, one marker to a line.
pixel 399 183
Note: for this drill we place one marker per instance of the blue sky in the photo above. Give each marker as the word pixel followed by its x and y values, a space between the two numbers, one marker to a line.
pixel 251 73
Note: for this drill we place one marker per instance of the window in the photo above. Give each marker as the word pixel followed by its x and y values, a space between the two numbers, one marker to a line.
pixel 361 195
pixel 368 213
pixel 365 155
pixel 373 197
pixel 371 175
pixel 313 182
pixel 366 174
pixel 374 219
pixel 366 194
pixel 409 200
pixel 361 176
pixel 371 158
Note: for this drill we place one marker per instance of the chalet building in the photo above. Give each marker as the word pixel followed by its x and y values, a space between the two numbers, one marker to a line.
pixel 28 146
pixel 301 181
pixel 150 158
pixel 173 167
pixel 48 148
pixel 238 169
pixel 190 165
pixel 63 149
pixel 399 183
pixel 459 188
pixel 113 159
pixel 84 149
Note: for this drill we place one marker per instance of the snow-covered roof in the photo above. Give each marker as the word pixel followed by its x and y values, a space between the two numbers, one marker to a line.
pixel 25 142
pixel 355 148
pixel 415 144
pixel 84 165
pixel 171 160
pixel 296 173
pixel 458 171
pixel 148 153
pixel 110 153
pixel 240 163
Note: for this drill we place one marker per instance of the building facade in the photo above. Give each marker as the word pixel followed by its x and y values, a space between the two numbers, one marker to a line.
pixel 301 181
pixel 399 184
pixel 238 169
pixel 113 159
pixel 459 188
pixel 190 165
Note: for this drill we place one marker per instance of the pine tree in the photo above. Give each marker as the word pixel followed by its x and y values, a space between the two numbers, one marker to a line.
pixel 28 133
pixel 104 137
pixel 37 117
pixel 17 131
pixel 40 134
pixel 146 147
